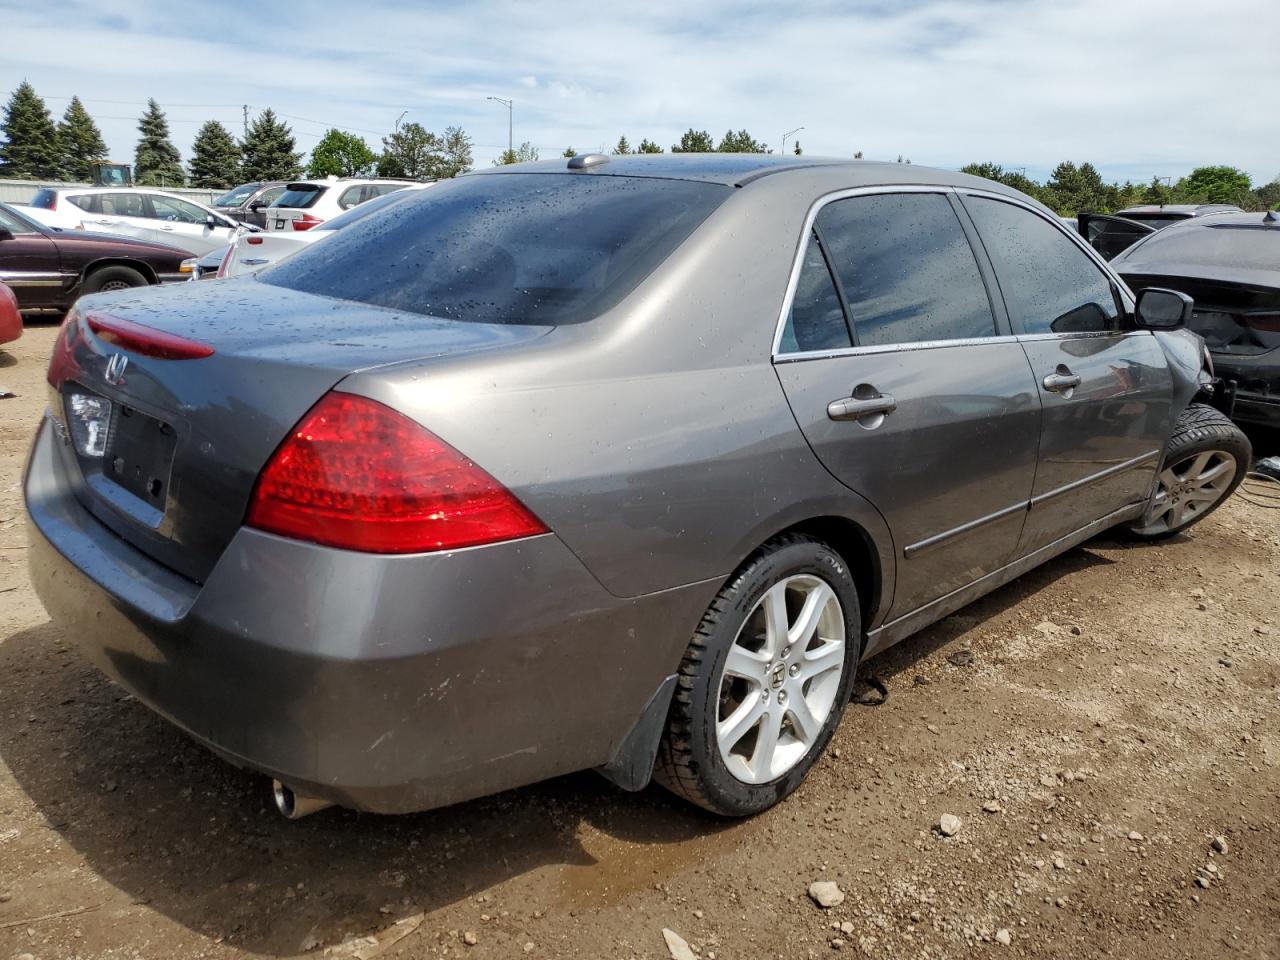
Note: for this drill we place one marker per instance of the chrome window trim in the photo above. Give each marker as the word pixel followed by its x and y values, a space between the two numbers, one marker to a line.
pixel 892 348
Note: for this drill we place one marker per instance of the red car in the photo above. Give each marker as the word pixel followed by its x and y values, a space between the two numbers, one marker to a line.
pixel 48 268
pixel 10 318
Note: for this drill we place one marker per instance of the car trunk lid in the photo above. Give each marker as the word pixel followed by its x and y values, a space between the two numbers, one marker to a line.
pixel 187 438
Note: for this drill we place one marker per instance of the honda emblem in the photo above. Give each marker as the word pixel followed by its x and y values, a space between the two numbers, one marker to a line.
pixel 114 374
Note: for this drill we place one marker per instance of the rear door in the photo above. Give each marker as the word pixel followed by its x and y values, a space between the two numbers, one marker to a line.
pixel 1105 386
pixel 30 264
pixel 908 387
pixel 125 213
pixel 1111 236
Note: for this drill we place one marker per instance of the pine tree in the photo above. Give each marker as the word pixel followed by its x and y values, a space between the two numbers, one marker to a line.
pixel 157 162
pixel 268 150
pixel 30 149
pixel 623 146
pixel 569 152
pixel 648 146
pixel 80 142
pixel 215 158
pixel 694 141
pixel 740 142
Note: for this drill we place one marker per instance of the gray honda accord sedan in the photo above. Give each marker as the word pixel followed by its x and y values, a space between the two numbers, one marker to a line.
pixel 616 463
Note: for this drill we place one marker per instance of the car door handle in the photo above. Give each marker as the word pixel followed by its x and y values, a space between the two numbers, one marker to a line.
pixel 170 229
pixel 1061 382
pixel 853 408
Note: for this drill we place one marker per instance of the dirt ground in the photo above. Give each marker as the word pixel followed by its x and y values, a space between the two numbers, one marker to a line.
pixel 1096 726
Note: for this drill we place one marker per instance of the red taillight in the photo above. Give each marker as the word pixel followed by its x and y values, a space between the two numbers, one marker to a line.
pixel 147 341
pixel 306 222
pixel 226 261
pixel 357 475
pixel 253 240
pixel 62 362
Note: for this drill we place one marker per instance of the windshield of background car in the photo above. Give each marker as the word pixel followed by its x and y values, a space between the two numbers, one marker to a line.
pixel 507 248
pixel 299 196
pixel 237 196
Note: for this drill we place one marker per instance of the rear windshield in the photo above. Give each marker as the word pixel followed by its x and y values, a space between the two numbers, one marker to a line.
pixel 237 196
pixel 506 248
pixel 1237 246
pixel 300 196
pixel 45 199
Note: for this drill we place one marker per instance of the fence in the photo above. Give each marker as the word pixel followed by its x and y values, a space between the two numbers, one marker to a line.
pixel 21 191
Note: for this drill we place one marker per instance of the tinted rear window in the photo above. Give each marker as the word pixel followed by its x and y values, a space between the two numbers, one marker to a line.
pixel 44 199
pixel 299 196
pixel 506 248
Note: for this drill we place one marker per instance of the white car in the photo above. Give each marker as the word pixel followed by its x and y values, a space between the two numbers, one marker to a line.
pixel 140 213
pixel 255 251
pixel 307 203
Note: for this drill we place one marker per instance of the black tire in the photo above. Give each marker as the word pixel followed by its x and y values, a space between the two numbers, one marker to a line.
pixel 1199 430
pixel 112 277
pixel 689 760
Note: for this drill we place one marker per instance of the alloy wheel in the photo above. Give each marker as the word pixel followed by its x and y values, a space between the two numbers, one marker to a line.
pixel 780 679
pixel 1188 488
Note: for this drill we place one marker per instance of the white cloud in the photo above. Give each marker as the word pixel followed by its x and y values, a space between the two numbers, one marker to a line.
pixel 1138 88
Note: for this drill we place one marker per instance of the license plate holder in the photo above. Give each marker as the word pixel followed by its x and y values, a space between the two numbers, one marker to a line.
pixel 139 455
pixel 279 224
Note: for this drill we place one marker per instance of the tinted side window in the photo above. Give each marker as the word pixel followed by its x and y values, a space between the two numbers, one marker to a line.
pixel 176 211
pixel 123 204
pixel 84 202
pixel 351 196
pixel 1049 283
pixel 816 321
pixel 908 272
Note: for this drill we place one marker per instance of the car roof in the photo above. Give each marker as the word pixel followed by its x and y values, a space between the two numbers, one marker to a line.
pixel 335 181
pixel 1232 256
pixel 739 169
pixel 1190 209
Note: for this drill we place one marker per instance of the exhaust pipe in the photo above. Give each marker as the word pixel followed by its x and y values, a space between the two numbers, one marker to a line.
pixel 295 806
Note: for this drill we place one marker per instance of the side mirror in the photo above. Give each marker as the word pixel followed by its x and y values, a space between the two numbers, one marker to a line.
pixel 212 221
pixel 1160 309
pixel 257 205
pixel 6 233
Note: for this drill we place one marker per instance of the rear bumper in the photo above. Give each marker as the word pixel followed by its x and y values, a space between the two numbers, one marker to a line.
pixel 382 683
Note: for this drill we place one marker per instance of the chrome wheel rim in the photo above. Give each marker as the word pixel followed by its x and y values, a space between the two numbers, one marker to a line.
pixel 114 285
pixel 780 679
pixel 1188 488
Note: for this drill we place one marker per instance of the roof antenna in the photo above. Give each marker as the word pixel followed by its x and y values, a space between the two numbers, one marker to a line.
pixel 1271 217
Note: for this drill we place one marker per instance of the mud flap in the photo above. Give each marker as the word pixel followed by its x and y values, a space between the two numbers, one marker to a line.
pixel 632 765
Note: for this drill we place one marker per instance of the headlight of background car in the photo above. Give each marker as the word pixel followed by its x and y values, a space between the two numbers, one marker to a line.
pixel 89 420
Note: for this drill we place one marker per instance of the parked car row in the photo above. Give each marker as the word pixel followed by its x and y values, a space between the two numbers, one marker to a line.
pixel 715 429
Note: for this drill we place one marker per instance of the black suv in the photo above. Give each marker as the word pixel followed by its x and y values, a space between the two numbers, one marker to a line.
pixel 247 201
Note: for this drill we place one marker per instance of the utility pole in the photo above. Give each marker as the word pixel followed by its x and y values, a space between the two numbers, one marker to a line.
pixel 399 118
pixel 784 138
pixel 245 108
pixel 510 105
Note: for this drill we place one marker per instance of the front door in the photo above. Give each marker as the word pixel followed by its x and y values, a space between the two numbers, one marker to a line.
pixel 182 224
pixel 1105 386
pixel 1111 236
pixel 908 391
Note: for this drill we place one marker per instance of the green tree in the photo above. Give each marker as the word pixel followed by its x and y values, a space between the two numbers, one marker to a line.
pixel 156 162
pixel 858 155
pixel 1072 190
pixel 80 142
pixel 340 154
pixel 30 148
pixel 988 171
pixel 408 152
pixel 740 142
pixel 456 157
pixel 648 146
pixel 269 150
pixel 569 152
pixel 1215 185
pixel 525 152
pixel 623 146
pixel 1157 192
pixel 215 157
pixel 1268 195
pixel 694 141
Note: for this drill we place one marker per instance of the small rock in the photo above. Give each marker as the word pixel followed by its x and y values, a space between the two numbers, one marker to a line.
pixel 698 914
pixel 949 825
pixel 1202 883
pixel 1075 630
pixel 1202 606
pixel 837 943
pixel 846 928
pixel 1004 937
pixel 1220 844
pixel 677 946
pixel 961 658
pixel 915 916
pixel 1226 661
pixel 826 894
pixel 528 947
pixel 1060 902
pixel 1059 863
pixel 6 897
pixel 470 939
pixel 932 728
pixel 1048 780
pixel 992 806
pixel 1136 837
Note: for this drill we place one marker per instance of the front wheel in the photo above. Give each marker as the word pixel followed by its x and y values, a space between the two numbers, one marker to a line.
pixel 764 681
pixel 1205 461
pixel 114 277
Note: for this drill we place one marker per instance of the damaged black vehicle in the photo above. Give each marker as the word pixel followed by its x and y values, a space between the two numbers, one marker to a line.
pixel 1229 263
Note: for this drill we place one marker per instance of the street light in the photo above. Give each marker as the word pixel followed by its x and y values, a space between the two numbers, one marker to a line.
pixel 399 118
pixel 784 138
pixel 510 105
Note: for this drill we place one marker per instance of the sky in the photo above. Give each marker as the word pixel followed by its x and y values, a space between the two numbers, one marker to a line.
pixel 1139 88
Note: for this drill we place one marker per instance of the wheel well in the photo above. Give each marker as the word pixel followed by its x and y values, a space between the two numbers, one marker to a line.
pixel 142 268
pixel 857 549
